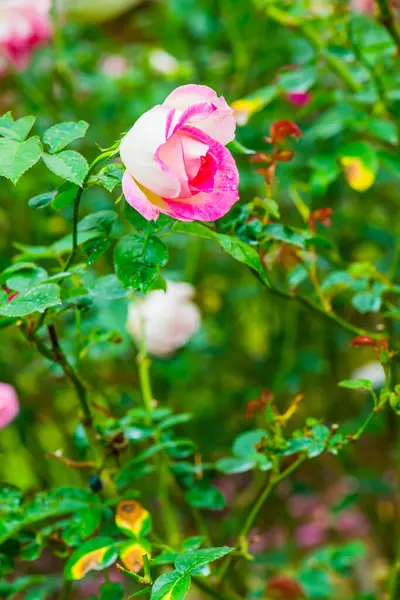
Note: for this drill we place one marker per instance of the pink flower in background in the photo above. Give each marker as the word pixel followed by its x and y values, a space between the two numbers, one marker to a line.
pixel 9 407
pixel 299 98
pixel 24 25
pixel 363 6
pixel 176 161
pixel 114 66
pixel 166 320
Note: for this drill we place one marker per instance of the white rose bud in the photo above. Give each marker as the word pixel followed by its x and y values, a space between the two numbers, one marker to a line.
pixel 166 320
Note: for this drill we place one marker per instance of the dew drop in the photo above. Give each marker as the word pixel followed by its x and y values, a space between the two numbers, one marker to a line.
pixel 230 174
pixel 234 187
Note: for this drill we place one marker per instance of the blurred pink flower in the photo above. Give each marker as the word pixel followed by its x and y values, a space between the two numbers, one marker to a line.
pixel 273 537
pixel 175 157
pixel 24 25
pixel 363 6
pixel 300 505
pixel 311 534
pixel 114 66
pixel 9 406
pixel 352 523
pixel 167 320
pixel 299 98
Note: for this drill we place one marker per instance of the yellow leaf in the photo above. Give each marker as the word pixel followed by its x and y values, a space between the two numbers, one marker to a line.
pixel 358 175
pixel 132 518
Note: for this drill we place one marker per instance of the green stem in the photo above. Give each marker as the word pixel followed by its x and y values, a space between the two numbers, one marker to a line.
pixel 273 481
pixel 171 526
pixel 394 583
pixel 387 19
pixel 66 590
pixel 75 216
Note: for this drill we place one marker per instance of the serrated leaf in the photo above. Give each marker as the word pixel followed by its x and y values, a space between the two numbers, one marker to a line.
pixel 171 586
pixel 277 231
pixel 69 165
pixel 17 157
pixel 60 135
pixel 190 561
pixel 33 300
pixel 138 259
pixel 233 464
pixel 17 130
pixel 238 249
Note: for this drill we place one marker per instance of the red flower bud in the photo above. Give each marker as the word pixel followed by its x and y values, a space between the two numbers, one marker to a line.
pixel 321 215
pixel 280 130
pixel 362 340
pixel 283 587
pixel 261 157
pixel 284 155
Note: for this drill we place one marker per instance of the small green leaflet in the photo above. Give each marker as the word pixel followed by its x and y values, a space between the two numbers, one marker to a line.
pixel 69 165
pixel 17 157
pixel 171 586
pixel 138 259
pixel 36 299
pixel 191 561
pixel 59 136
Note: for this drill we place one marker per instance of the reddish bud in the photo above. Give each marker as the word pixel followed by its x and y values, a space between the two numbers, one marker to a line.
pixel 268 174
pixel 285 588
pixel 261 157
pixel 362 340
pixel 283 155
pixel 258 405
pixel 321 215
pixel 280 130
pixel 12 295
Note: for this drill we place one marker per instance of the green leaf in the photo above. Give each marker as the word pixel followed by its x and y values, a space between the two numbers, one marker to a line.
pixel 59 136
pixel 69 165
pixel 190 561
pixel 22 276
pixel 138 260
pixel 205 497
pixel 111 591
pixel 109 177
pixel 337 281
pixel 232 464
pixel 372 39
pixel 42 200
pixel 277 231
pixel 96 248
pixel 108 288
pixel 10 499
pixel 66 194
pixel 192 543
pixel 239 250
pixel 356 384
pixel 101 221
pixel 83 524
pixel 33 300
pixel 297 80
pixel 17 130
pixel 238 148
pixel 94 555
pixel 17 157
pixel 244 445
pixel 171 586
pixel 367 302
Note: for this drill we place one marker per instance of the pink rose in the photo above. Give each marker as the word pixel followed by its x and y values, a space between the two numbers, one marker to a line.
pixel 299 98
pixel 24 25
pixel 9 406
pixel 176 161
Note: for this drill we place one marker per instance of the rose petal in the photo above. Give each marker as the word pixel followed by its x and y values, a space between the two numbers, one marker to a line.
pixel 138 152
pixel 220 123
pixel 209 206
pixel 145 202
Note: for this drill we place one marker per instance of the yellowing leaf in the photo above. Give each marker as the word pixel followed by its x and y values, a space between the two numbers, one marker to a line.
pixel 94 555
pixel 131 555
pixel 358 175
pixel 132 518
